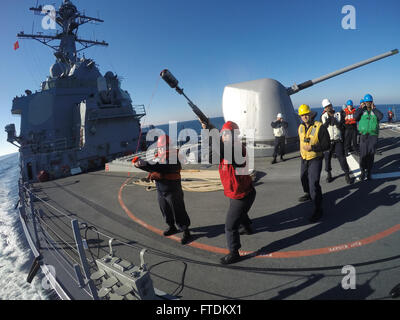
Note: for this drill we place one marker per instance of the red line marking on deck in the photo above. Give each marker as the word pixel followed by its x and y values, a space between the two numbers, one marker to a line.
pixel 278 254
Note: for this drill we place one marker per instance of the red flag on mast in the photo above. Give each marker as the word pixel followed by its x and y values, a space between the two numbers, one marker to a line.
pixel 16 45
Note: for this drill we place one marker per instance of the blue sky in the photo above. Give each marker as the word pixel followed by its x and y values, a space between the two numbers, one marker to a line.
pixel 208 44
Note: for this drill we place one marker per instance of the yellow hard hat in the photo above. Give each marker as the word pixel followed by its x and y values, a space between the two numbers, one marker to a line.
pixel 304 109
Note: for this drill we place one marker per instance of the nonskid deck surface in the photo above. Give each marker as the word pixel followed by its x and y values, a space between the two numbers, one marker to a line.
pixel 287 258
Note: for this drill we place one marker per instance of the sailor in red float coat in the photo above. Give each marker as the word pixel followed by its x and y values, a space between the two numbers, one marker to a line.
pixel 238 187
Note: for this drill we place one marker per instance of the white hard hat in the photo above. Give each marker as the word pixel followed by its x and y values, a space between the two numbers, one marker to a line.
pixel 325 103
pixel 279 115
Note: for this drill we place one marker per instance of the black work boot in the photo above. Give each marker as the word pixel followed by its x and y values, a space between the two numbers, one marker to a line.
pixel 362 175
pixel 305 198
pixel 316 215
pixel 329 178
pixel 232 257
pixel 395 292
pixel 246 229
pixel 186 236
pixel 170 231
pixel 273 161
pixel 347 178
pixel 282 159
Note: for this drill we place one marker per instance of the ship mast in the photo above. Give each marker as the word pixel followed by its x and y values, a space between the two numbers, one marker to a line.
pixel 69 19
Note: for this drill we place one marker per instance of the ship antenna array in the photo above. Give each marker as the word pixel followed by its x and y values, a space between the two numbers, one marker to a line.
pixel 69 19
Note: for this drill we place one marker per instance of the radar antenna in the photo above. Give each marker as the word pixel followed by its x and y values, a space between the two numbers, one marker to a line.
pixel 69 19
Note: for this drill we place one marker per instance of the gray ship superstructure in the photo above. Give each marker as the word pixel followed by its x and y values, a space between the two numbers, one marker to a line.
pixel 79 119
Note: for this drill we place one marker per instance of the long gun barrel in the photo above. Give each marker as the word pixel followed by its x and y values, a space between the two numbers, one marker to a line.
pixel 173 83
pixel 296 88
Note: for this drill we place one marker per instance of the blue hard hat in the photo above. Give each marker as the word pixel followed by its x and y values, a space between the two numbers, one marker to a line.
pixel 368 98
pixel 361 101
pixel 349 103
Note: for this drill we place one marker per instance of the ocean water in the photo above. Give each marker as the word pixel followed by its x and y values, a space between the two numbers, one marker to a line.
pixel 15 254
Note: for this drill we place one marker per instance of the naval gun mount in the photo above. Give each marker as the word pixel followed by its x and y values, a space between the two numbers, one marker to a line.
pixel 255 104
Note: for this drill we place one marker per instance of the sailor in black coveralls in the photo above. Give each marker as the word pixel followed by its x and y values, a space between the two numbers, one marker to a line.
pixel 166 173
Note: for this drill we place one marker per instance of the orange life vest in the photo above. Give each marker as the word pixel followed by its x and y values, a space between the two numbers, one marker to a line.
pixel 349 119
pixel 164 157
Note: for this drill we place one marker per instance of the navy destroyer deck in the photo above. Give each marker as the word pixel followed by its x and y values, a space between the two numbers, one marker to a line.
pixel 80 119
pixel 287 258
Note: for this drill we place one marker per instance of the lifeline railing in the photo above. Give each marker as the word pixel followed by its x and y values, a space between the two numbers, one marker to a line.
pixel 72 264
pixel 60 233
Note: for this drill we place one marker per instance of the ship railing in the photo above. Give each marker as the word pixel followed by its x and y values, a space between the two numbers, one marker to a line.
pixel 149 155
pixel 396 114
pixel 139 110
pixel 394 124
pixel 110 113
pixel 68 240
pixel 124 164
pixel 51 145
pixel 55 232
